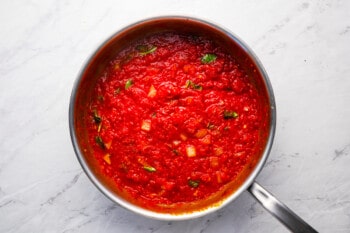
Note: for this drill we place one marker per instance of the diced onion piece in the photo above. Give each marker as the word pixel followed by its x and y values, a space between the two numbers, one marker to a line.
pixel 146 125
pixel 191 151
pixel 218 150
pixel 238 154
pixel 201 133
pixel 107 158
pixel 183 137
pixel 214 161
pixel 206 139
pixel 176 142
pixel 152 92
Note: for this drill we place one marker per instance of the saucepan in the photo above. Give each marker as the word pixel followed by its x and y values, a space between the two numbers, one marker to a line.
pixel 98 61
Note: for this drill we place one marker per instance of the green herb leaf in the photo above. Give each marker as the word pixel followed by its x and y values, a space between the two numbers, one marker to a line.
pixel 208 58
pixel 230 114
pixel 117 91
pixel 144 49
pixel 176 152
pixel 100 142
pixel 97 118
pixel 197 87
pixel 193 183
pixel 128 84
pixel 190 84
pixel 149 168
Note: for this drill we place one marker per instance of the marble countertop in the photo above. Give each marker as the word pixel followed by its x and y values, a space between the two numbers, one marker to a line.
pixel 304 46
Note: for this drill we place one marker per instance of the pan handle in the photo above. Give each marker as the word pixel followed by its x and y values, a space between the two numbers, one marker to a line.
pixel 286 216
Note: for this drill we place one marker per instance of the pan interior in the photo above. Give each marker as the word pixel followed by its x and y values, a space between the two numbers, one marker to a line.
pixel 101 59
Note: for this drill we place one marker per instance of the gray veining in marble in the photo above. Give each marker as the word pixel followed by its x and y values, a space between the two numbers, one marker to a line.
pixel 304 46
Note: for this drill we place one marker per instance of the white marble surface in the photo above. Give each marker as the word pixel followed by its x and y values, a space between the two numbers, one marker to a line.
pixel 304 46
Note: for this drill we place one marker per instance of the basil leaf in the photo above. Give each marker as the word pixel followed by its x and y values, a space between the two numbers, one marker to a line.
pixel 149 168
pixel 144 49
pixel 100 142
pixel 197 87
pixel 193 183
pixel 208 58
pixel 230 114
pixel 128 84
pixel 97 118
pixel 193 85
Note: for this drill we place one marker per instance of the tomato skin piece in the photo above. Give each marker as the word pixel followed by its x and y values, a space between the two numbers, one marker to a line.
pixel 175 129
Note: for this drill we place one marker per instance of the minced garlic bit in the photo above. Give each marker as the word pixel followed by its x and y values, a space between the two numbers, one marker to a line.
pixel 152 92
pixel 191 151
pixel 146 125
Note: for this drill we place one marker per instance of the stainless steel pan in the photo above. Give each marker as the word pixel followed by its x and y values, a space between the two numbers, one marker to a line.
pixel 247 59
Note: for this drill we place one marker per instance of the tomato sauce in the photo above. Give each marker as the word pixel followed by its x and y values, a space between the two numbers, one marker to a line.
pixel 173 120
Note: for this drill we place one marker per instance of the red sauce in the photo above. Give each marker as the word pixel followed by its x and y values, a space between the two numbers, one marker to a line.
pixel 173 120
